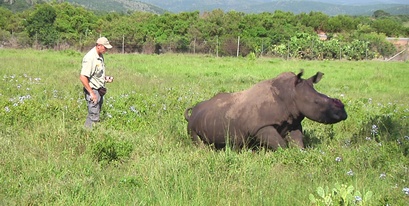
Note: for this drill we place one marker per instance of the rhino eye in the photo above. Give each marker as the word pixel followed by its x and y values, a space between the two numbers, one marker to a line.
pixel 317 101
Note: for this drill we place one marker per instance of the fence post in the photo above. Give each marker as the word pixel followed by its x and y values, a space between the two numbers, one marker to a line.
pixel 238 46
pixel 123 44
pixel 194 46
pixel 405 57
pixel 340 52
pixel 217 46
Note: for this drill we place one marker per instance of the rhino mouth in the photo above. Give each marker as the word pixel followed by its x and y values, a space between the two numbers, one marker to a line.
pixel 334 113
pixel 339 113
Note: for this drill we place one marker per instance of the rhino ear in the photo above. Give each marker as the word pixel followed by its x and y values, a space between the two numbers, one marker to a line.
pixel 299 80
pixel 317 77
pixel 300 74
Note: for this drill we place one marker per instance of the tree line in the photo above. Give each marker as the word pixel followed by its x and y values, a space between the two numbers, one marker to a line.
pixel 66 26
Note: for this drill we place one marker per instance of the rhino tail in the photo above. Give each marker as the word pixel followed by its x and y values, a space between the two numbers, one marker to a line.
pixel 187 116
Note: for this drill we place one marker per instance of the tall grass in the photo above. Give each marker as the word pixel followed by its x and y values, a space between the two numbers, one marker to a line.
pixel 140 153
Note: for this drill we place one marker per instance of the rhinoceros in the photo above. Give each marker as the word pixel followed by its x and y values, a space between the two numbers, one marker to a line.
pixel 268 114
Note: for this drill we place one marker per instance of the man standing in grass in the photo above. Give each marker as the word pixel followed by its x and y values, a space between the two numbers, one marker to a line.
pixel 93 79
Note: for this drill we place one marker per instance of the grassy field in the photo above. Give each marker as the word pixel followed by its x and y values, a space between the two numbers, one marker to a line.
pixel 140 153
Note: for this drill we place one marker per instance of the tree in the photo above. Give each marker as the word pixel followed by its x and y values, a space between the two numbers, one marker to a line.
pixel 5 16
pixel 74 23
pixel 317 20
pixel 341 23
pixel 388 26
pixel 379 14
pixel 40 25
pixel 214 23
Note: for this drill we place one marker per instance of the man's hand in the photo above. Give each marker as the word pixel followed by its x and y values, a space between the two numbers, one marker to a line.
pixel 109 79
pixel 85 82
pixel 94 97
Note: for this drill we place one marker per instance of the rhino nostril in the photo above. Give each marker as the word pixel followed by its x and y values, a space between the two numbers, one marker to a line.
pixel 338 103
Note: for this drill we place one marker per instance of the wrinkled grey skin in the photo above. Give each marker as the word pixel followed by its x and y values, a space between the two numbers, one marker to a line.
pixel 268 114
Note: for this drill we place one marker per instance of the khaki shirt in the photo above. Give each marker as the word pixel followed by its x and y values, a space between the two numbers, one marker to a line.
pixel 93 67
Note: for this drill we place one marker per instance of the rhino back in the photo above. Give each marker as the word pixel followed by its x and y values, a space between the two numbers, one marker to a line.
pixel 243 113
pixel 259 106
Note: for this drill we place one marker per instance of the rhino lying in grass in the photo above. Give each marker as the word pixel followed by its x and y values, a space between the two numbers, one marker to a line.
pixel 268 114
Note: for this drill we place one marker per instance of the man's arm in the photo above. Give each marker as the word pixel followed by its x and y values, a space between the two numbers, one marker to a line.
pixel 85 82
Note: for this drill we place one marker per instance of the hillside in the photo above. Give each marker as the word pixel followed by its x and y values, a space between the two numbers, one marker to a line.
pixel 96 5
pixel 297 7
pixel 329 7
pixel 118 5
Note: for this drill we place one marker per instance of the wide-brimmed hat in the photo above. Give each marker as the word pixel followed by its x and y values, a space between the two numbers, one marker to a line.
pixel 104 41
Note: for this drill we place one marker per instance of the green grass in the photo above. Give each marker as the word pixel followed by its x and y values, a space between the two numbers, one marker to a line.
pixel 140 154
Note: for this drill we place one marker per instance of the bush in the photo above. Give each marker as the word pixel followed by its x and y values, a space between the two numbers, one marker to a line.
pixel 109 150
pixel 340 195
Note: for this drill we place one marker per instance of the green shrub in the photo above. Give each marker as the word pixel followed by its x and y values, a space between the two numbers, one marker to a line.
pixel 109 150
pixel 341 195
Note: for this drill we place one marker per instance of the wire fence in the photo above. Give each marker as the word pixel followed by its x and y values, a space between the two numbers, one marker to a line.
pixel 218 47
pixel 402 44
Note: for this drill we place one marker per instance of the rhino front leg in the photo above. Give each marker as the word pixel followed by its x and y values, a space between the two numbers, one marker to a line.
pixel 296 138
pixel 270 138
